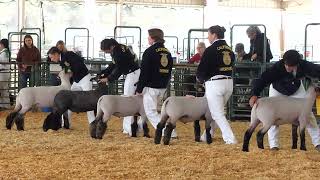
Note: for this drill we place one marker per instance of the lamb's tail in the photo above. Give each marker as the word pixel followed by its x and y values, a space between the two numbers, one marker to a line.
pixel 254 117
pixel 164 116
pixel 18 105
pixel 99 110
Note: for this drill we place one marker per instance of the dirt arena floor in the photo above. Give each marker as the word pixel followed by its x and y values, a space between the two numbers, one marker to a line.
pixel 72 154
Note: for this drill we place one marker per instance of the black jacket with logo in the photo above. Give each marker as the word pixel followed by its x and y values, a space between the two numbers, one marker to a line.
pixel 282 81
pixel 74 62
pixel 156 67
pixel 123 62
pixel 217 59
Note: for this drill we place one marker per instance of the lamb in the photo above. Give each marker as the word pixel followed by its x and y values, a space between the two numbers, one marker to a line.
pixel 119 106
pixel 270 111
pixel 76 101
pixel 186 109
pixel 40 96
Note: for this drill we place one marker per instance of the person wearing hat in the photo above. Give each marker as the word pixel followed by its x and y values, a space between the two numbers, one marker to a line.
pixel 123 63
pixel 70 61
pixel 156 67
pixel 4 74
pixel 215 70
pixel 285 79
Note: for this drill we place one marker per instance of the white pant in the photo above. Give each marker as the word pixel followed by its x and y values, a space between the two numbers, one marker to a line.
pixel 129 89
pixel 4 86
pixel 83 85
pixel 273 132
pixel 218 93
pixel 150 102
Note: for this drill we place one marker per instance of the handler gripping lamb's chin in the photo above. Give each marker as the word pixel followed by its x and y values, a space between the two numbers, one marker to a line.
pixel 81 77
pixel 285 79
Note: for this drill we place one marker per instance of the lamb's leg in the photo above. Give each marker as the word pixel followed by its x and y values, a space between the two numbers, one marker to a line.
pixel 167 133
pixel 19 120
pixel 66 123
pixel 197 130
pixel 247 136
pixel 303 139
pixel 294 135
pixel 101 127
pixel 260 136
pixel 208 129
pixel 146 130
pixel 10 119
pixel 134 126
pixel 160 126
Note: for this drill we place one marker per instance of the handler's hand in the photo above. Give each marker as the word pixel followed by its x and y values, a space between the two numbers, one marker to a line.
pixel 139 94
pixel 103 80
pixel 254 57
pixel 253 100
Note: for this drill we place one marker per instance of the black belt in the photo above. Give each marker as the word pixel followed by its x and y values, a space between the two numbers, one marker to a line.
pixel 132 70
pixel 227 77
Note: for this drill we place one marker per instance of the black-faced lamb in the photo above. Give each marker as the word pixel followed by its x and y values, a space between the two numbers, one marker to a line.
pixel 75 101
pixel 186 109
pixel 281 110
pixel 119 106
pixel 41 96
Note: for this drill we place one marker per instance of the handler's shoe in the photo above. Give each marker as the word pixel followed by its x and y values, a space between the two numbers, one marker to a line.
pixel 174 134
pixel 318 147
pixel 275 149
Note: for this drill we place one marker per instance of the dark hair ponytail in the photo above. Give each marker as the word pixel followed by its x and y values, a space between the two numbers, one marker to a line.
pixel 218 30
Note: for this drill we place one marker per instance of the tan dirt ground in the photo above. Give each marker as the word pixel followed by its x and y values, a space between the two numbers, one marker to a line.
pixel 72 154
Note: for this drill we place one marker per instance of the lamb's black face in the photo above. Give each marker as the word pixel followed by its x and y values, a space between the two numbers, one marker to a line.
pixel 52 121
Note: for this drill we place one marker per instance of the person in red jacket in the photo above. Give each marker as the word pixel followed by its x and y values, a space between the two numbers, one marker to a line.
pixel 195 59
pixel 28 56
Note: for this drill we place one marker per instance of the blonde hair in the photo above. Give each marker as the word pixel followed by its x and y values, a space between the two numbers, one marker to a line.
pixel 201 45
pixel 60 42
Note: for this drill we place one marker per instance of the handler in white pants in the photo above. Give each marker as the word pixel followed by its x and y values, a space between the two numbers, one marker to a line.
pixel 129 89
pixel 215 69
pixel 83 85
pixel 218 92
pixel 273 132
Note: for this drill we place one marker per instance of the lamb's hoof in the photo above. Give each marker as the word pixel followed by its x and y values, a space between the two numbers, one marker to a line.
pixel 274 149
pixel 20 124
pixel 318 148
pixel 10 120
pixel 9 124
pixel 157 137
pixel 294 147
pixel 134 129
pixel 93 128
pixel 303 148
pixel 147 136
pixel 209 140
pixel 197 139
pixel 245 149
pixel 166 141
